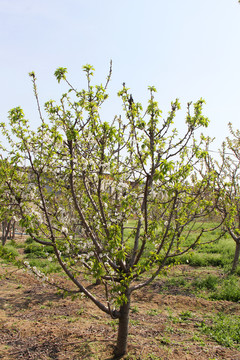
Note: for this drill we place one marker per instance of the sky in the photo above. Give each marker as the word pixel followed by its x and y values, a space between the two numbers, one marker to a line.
pixel 187 49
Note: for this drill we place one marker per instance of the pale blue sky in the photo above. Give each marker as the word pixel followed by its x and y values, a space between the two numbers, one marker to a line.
pixel 186 48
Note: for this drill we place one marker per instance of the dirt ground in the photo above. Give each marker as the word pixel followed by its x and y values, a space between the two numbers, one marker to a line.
pixel 37 323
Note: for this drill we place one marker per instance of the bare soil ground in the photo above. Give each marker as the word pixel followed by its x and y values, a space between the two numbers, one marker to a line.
pixel 37 323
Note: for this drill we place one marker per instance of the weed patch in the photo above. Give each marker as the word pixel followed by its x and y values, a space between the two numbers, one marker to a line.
pixel 224 329
pixel 210 282
pixel 229 290
pixel 8 253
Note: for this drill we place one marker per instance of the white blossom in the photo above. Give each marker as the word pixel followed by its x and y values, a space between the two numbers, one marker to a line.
pixel 64 230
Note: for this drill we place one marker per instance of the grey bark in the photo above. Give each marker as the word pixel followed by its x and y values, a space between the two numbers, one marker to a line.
pixel 236 256
pixel 122 338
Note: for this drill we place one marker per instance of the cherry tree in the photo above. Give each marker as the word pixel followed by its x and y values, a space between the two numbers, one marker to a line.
pixel 227 171
pixel 78 181
pixel 8 210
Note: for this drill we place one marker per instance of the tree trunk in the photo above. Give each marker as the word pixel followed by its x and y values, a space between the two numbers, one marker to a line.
pixel 13 229
pixel 5 230
pixel 122 338
pixel 8 230
pixel 236 256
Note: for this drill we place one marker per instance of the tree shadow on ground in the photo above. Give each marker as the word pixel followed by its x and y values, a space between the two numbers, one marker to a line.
pixel 28 298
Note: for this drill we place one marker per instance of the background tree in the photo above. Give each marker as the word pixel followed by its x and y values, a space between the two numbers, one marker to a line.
pixel 8 210
pixel 228 188
pixel 91 189
pixel 8 229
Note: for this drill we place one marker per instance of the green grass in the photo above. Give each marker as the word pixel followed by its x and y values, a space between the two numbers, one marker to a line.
pixel 228 290
pixel 215 285
pixel 209 282
pixel 36 254
pixel 37 251
pixel 224 329
pixel 32 249
pixel 185 315
pixel 8 253
pixel 153 312
pixel 44 265
pixel 218 253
